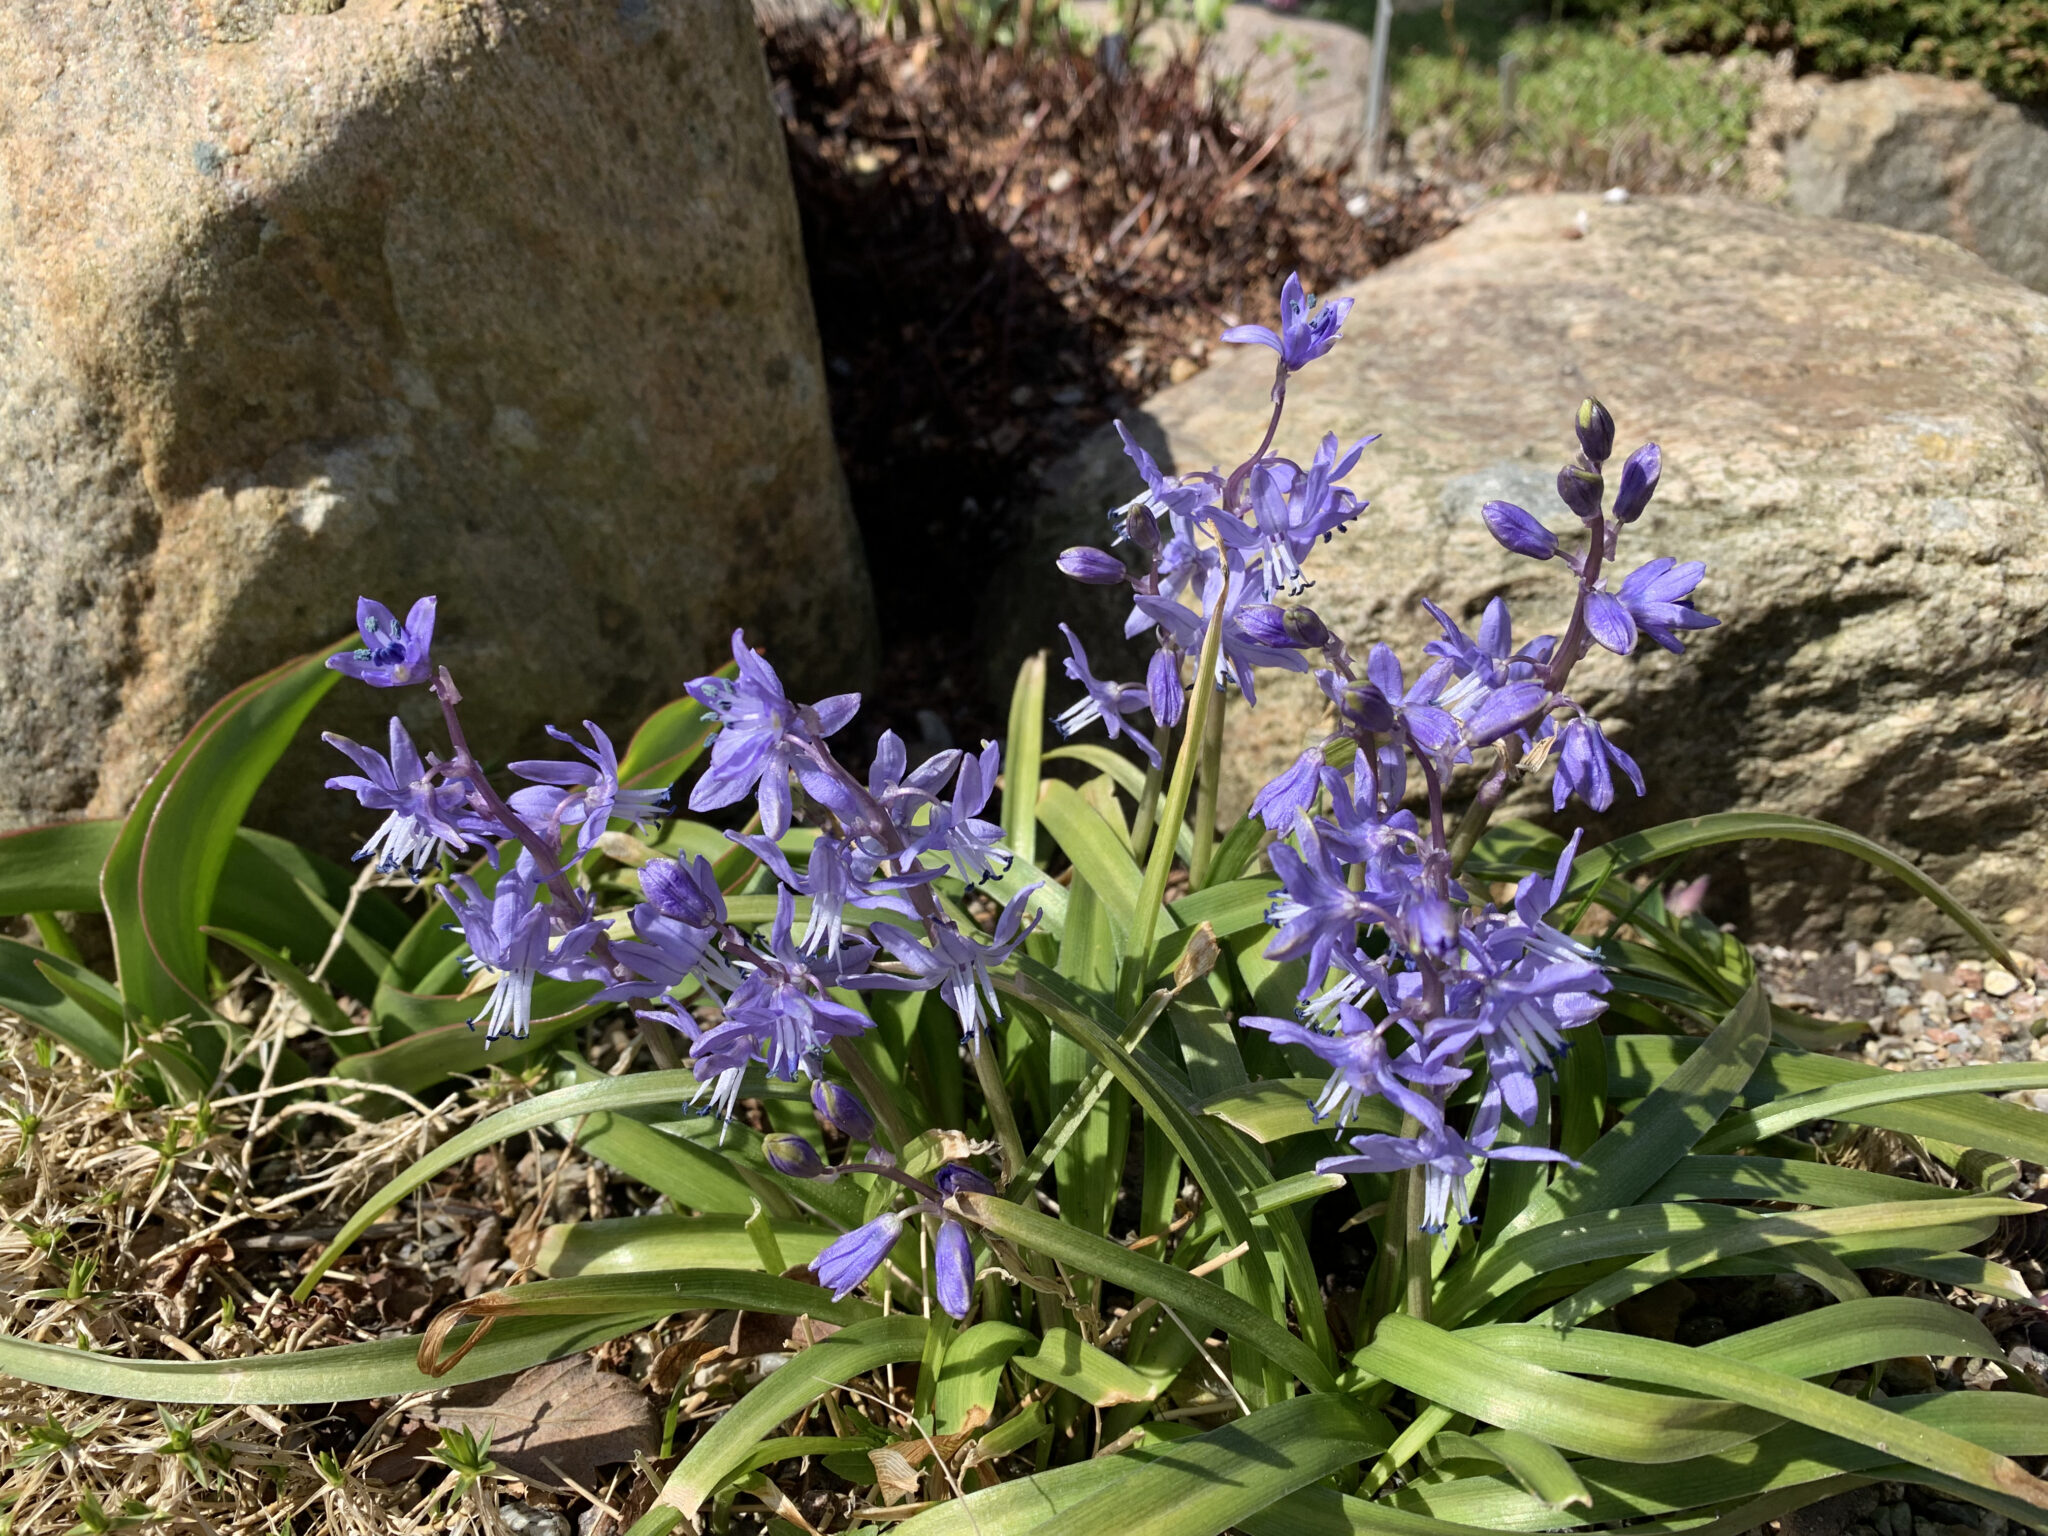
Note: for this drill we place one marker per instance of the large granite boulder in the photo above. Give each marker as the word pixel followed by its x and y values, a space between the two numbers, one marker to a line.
pixel 1852 422
pixel 1944 157
pixel 297 299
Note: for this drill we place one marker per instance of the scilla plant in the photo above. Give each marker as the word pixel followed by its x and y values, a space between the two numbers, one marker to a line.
pixel 1296 1180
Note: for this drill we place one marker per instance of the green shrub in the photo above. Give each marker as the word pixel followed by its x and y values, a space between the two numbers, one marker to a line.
pixel 2003 43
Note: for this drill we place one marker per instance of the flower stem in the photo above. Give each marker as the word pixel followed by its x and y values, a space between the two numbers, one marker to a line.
pixel 1153 893
pixel 996 1093
pixel 1205 801
pixel 1419 1243
pixel 1148 797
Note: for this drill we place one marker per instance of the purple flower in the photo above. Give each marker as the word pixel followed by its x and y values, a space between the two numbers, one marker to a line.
pixel 828 880
pixel 1518 531
pixel 1108 702
pixel 1360 1065
pixel 1315 909
pixel 1097 567
pixel 838 1110
pixel 782 1011
pixel 762 736
pixel 1447 1158
pixel 1240 653
pixel 1306 333
pixel 902 794
pixel 1292 793
pixel 664 950
pixel 392 655
pixel 1639 475
pixel 425 817
pixel 845 1262
pixel 956 965
pixel 792 1156
pixel 1655 599
pixel 1585 763
pixel 1497 692
pixel 974 845
pixel 959 1179
pixel 585 795
pixel 1164 691
pixel 507 932
pixel 1164 496
pixel 685 889
pixel 953 1269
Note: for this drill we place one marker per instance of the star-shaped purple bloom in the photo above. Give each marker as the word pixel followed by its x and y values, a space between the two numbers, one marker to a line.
pixel 762 737
pixel 508 932
pixel 1585 763
pixel 584 795
pixel 956 965
pixel 1447 1158
pixel 425 818
pixel 393 655
pixel 973 845
pixel 1361 1066
pixel 1655 599
pixel 1306 332
pixel 1110 703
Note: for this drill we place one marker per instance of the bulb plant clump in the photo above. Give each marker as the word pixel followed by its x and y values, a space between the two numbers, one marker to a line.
pixel 1115 1170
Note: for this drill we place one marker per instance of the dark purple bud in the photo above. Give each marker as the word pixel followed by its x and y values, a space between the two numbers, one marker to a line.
pixel 1579 488
pixel 1141 527
pixel 959 1179
pixel 1518 531
pixel 845 1262
pixel 1163 688
pixel 840 1111
pixel 953 1262
pixel 1097 567
pixel 1638 482
pixel 1596 431
pixel 1305 628
pixel 792 1156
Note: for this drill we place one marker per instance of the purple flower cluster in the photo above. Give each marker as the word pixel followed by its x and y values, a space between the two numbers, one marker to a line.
pixel 1459 987
pixel 1209 548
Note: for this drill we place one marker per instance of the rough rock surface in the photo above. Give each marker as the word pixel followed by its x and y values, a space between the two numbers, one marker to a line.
pixel 1943 157
pixel 504 302
pixel 1852 425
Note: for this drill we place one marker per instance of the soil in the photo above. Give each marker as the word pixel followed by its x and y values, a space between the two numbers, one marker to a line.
pixel 1005 254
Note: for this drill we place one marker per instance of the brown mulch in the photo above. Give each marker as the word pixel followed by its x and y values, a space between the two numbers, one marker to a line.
pixel 1005 254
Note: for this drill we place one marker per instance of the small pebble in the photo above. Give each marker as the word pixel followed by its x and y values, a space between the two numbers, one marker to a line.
pixel 1905 967
pixel 1969 975
pixel 1934 1002
pixel 524 1520
pixel 2000 982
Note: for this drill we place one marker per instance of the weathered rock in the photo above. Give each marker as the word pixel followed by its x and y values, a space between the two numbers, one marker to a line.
pixel 1852 428
pixel 1943 157
pixel 504 302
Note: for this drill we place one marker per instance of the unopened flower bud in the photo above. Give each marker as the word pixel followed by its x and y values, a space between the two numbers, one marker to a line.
pixel 1579 487
pixel 1638 482
pixel 1163 689
pixel 1518 531
pixel 840 1111
pixel 1263 623
pixel 1097 567
pixel 1596 431
pixel 687 892
pixel 953 1267
pixel 1136 523
pixel 792 1156
pixel 959 1179
pixel 846 1261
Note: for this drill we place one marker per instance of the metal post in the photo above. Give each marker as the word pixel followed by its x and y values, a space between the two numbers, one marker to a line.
pixel 1376 89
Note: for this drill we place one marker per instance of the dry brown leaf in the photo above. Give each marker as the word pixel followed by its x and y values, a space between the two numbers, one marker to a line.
pixel 567 1412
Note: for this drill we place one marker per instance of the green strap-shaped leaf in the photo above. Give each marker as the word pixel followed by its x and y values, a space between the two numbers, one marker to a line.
pixel 564 1103
pixel 158 882
pixel 1754 1125
pixel 1198 1298
pixel 1785 1180
pixel 1202 1486
pixel 1275 1108
pixel 1452 1369
pixel 636 1244
pixel 1536 1466
pixel 65 998
pixel 1640 848
pixel 1668 1122
pixel 54 868
pixel 973 1372
pixel 292 900
pixel 668 743
pixel 1094 847
pixel 1023 753
pixel 443 1050
pixel 1721 1373
pixel 1065 1360
pixel 1908 1223
pixel 808 1377
pixel 345 1373
pixel 1859 1332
